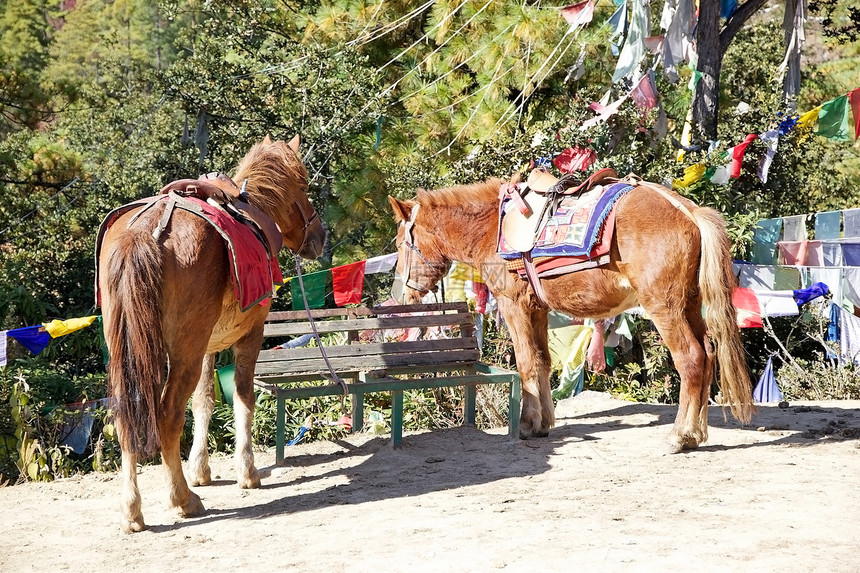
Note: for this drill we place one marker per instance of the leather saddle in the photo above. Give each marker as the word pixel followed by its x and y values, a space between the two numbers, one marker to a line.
pixel 538 200
pixel 220 190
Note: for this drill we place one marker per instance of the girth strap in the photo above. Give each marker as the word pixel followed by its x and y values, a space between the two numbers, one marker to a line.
pixel 534 279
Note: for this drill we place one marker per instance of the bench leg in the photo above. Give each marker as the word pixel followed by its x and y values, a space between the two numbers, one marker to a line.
pixel 280 421
pixel 357 412
pixel 514 409
pixel 469 405
pixel 396 418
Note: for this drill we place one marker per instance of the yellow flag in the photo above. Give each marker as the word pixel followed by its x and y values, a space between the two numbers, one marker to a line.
pixel 691 174
pixel 807 121
pixel 63 327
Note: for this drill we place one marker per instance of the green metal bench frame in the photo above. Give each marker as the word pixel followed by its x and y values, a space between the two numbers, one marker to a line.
pixel 375 366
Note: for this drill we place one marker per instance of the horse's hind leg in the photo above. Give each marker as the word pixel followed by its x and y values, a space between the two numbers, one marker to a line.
pixel 246 351
pixel 132 518
pixel 683 331
pixel 180 384
pixel 202 405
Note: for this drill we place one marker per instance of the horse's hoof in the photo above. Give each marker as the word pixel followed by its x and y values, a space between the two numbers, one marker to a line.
pixel 528 435
pixel 132 526
pixel 205 478
pixel 678 444
pixel 191 508
pixel 250 482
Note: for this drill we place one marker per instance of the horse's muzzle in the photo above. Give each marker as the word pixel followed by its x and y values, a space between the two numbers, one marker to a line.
pixel 313 246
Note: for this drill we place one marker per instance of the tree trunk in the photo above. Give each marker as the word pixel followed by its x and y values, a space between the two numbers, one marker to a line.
pixel 707 92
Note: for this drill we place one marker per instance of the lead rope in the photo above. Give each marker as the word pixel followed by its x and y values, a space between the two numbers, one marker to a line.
pixel 334 377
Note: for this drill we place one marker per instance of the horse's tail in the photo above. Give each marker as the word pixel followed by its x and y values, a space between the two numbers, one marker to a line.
pixel 716 284
pixel 133 334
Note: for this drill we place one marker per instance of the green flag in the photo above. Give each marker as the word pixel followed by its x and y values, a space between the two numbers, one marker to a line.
pixel 315 289
pixel 833 119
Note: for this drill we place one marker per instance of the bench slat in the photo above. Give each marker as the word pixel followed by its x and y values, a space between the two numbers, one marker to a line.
pixel 366 311
pixel 372 362
pixel 283 354
pixel 395 322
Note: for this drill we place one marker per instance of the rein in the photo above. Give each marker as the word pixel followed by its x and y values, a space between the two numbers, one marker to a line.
pixel 334 377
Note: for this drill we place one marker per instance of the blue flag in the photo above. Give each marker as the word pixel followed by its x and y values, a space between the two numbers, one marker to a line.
pixel 33 338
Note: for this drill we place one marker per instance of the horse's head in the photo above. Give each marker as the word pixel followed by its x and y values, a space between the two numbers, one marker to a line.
pixel 278 184
pixel 420 263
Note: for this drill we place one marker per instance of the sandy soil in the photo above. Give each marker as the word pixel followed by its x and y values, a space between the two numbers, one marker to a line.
pixel 600 494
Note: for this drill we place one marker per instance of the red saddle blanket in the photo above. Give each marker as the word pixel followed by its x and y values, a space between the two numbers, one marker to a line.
pixel 253 272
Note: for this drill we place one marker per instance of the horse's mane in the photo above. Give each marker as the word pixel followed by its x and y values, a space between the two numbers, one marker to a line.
pixel 267 166
pixel 459 195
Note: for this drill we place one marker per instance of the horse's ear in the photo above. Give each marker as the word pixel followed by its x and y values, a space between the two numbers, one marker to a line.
pixel 402 209
pixel 294 144
pixel 267 140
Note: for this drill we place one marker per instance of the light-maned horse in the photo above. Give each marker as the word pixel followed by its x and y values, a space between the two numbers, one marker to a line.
pixel 169 306
pixel 668 262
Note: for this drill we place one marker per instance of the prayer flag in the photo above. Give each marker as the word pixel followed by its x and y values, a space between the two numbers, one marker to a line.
pixel 777 303
pixel 348 283
pixel 33 338
pixel 794 228
pixel 828 225
pixel 833 119
pixel 58 328
pixel 749 312
pixel 580 14
pixel 3 348
pixel 766 390
pixel 727 8
pixel 380 264
pixel 575 159
pixel 831 254
pixel 645 92
pixel 851 222
pixel 771 139
pixel 851 254
pixel 738 152
pixel 786 278
pixel 793 252
pixel 315 287
pixel 854 101
pixel 808 119
pixel 692 174
pixel 634 46
pixel 604 111
pixel 757 277
pixel 804 295
pixel 482 296
pixel 765 236
pixel 814 254
pixel 618 24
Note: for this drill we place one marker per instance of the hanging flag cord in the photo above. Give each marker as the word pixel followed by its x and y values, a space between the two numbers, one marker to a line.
pixel 334 377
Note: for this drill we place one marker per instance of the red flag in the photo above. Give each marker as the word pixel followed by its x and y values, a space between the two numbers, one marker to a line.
pixel 348 283
pixel 575 159
pixel 749 311
pixel 854 100
pixel 738 154
pixel 579 14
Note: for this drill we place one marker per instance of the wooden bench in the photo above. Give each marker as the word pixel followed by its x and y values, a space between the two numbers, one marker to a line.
pixel 368 362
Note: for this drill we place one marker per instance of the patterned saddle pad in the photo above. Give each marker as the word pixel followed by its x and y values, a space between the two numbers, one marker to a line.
pixel 575 228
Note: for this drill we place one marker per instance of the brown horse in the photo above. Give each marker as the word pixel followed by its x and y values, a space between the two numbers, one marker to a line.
pixel 668 260
pixel 169 305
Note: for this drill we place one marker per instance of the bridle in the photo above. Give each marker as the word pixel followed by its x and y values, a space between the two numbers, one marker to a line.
pixel 307 221
pixel 405 280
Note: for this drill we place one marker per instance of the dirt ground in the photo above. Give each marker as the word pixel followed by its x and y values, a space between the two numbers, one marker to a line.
pixel 600 494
